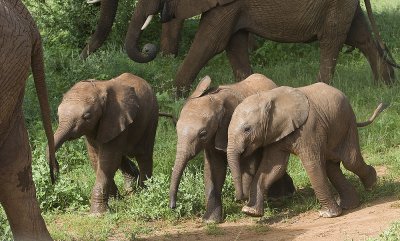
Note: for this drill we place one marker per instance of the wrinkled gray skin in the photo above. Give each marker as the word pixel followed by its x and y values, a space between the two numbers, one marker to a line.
pixel 119 118
pixel 203 125
pixel 170 37
pixel 317 124
pixel 20 53
pixel 226 24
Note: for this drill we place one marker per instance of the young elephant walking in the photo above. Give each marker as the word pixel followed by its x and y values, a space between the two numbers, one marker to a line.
pixel 119 118
pixel 203 125
pixel 317 124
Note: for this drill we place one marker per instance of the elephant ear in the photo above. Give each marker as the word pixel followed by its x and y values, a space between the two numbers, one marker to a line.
pixel 119 110
pixel 183 9
pixel 201 88
pixel 286 110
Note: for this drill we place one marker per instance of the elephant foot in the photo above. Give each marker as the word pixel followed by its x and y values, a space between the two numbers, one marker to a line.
pixel 253 212
pixel 330 213
pixel 128 185
pixel 348 203
pixel 213 215
pixel 370 180
pixel 98 209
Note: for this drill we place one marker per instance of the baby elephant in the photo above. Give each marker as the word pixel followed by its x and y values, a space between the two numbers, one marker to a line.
pixel 119 118
pixel 317 124
pixel 203 126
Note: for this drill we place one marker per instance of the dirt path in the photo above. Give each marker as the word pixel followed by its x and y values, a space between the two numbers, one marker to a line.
pixel 367 221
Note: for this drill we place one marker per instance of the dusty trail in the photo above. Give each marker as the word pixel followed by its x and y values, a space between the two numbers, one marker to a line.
pixel 367 221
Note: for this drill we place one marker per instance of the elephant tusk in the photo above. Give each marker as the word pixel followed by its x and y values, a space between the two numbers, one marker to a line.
pixel 92 1
pixel 147 22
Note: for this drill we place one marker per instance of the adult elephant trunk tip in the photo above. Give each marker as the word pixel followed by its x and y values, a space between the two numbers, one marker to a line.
pixel 149 51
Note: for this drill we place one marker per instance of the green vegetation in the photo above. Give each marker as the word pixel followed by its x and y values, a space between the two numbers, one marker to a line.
pixel 65 25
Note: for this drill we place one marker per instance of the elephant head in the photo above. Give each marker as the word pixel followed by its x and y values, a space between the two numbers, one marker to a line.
pixel 203 123
pixel 100 110
pixel 169 9
pixel 260 120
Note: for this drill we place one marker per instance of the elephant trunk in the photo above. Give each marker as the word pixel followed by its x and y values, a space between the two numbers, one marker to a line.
pixel 233 156
pixel 107 15
pixel 61 135
pixel 181 160
pixel 139 21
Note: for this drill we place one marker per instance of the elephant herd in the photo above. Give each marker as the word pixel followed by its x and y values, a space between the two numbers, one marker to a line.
pixel 251 126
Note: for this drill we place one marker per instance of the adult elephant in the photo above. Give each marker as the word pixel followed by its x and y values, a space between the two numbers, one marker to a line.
pixel 170 36
pixel 225 25
pixel 20 50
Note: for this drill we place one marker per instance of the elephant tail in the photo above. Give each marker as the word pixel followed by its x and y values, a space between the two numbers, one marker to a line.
pixel 377 111
pixel 173 118
pixel 384 51
pixel 41 89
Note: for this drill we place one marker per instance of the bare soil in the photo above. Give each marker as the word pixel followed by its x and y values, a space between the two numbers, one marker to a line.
pixel 359 224
pixel 367 221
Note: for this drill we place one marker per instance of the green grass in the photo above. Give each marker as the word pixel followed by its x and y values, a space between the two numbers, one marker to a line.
pixel 65 205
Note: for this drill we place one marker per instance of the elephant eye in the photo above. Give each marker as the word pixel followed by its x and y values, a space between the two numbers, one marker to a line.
pixel 86 116
pixel 247 129
pixel 203 134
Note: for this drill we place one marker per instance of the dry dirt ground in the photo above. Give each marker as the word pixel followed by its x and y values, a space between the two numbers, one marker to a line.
pixel 365 222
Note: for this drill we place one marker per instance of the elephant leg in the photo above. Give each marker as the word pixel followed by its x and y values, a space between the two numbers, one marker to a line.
pixel 104 186
pixel 249 166
pixel 283 187
pixel 145 163
pixel 360 37
pixel 331 39
pixel 272 167
pixel 130 173
pixel 214 177
pixel 213 34
pixel 329 52
pixel 17 190
pixel 93 155
pixel 314 163
pixel 171 36
pixel 347 193
pixel 237 51
pixel 354 162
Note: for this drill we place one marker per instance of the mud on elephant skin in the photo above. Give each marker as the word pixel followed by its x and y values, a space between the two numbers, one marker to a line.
pixel 317 124
pixel 203 125
pixel 170 36
pixel 332 23
pixel 20 52
pixel 119 118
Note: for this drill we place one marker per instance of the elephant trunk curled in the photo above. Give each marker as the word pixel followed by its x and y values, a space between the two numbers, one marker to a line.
pixel 138 20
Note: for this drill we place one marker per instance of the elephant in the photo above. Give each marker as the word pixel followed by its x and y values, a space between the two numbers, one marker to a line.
pixel 119 119
pixel 226 24
pixel 20 52
pixel 317 124
pixel 203 125
pixel 170 37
